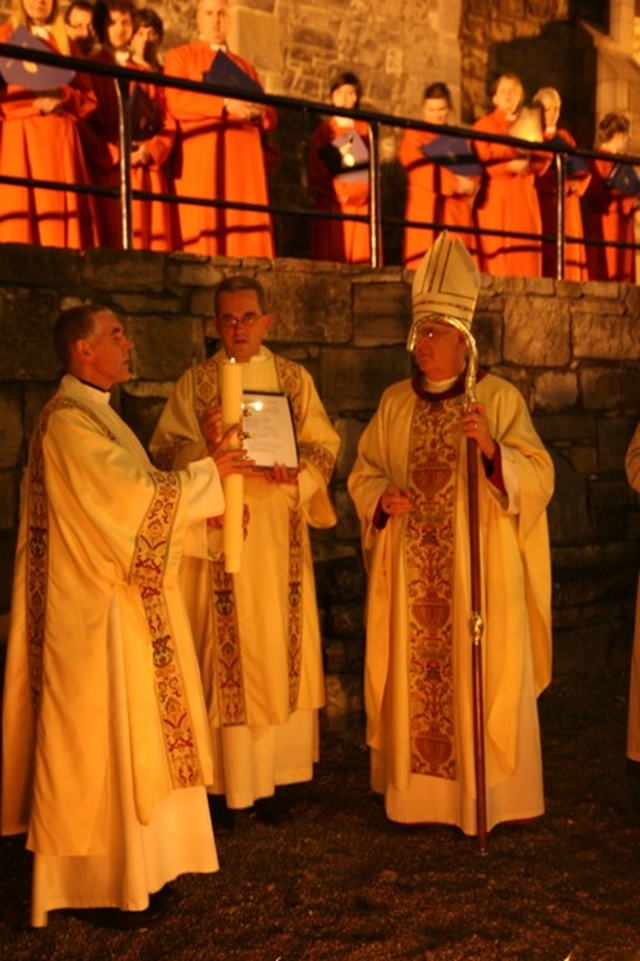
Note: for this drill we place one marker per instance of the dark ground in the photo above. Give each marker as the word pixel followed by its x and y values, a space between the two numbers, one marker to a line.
pixel 340 882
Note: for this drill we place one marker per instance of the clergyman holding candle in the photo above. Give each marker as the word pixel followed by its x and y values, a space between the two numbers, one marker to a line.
pixel 256 630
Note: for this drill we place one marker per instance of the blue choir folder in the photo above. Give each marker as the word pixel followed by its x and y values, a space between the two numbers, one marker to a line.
pixel 347 157
pixel 225 72
pixel 453 153
pixel 575 165
pixel 32 76
pixel 624 179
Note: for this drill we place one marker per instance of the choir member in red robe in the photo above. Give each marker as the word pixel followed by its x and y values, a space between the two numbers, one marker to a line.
pixel 148 31
pixel 219 154
pixel 337 188
pixel 577 181
pixel 40 140
pixel 153 136
pixel 435 193
pixel 610 203
pixel 78 24
pixel 508 200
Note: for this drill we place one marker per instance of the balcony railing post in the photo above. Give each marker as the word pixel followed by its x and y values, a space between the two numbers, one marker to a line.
pixel 124 140
pixel 561 179
pixel 374 200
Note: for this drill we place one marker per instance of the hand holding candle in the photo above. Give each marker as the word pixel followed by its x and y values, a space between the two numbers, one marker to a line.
pixel 233 484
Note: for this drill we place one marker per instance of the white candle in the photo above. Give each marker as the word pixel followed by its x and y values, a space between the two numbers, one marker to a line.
pixel 233 484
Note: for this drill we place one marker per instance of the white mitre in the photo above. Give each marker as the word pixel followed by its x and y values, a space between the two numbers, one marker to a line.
pixel 446 285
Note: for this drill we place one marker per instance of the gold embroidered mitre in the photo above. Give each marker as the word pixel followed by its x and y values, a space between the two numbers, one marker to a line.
pixel 446 285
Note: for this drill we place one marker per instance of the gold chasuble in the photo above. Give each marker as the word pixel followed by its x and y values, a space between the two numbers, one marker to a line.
pixel 106 745
pixel 148 568
pixel 97 515
pixel 418 679
pixel 429 549
pixel 257 631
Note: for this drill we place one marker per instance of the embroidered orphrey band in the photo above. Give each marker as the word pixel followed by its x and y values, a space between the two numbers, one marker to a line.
pixel 233 705
pixel 231 687
pixel 430 546
pixel 147 570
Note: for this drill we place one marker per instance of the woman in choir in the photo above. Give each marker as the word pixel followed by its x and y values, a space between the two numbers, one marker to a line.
pixel 339 179
pixel 577 180
pixel 153 133
pixel 148 31
pixel 39 113
pixel 437 192
pixel 508 200
pixel 610 203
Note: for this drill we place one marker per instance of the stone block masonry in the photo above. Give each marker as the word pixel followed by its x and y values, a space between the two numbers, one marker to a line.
pixel 572 350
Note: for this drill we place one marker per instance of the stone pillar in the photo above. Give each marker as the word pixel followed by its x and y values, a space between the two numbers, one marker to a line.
pixel 255 34
pixel 621 23
pixel 618 72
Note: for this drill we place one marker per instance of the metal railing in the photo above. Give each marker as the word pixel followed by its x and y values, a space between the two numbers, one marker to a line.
pixel 124 77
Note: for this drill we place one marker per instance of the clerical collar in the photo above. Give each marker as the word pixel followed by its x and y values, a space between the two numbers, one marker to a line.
pixel 122 57
pixel 88 383
pixel 438 386
pixel 442 390
pixel 260 355
pixel 217 46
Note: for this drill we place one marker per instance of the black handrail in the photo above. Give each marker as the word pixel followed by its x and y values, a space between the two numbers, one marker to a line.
pixel 124 76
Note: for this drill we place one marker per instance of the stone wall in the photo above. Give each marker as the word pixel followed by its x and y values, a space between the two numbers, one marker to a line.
pixel 572 350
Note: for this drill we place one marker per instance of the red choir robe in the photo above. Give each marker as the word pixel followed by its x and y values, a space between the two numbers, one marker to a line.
pixel 507 201
pixel 154 223
pixel 432 197
pixel 575 257
pixel 44 147
pixel 609 216
pixel 218 157
pixel 344 241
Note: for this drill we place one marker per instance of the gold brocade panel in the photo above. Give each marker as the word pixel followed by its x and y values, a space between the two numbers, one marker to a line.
pixel 147 574
pixel 430 556
pixel 231 686
pixel 228 660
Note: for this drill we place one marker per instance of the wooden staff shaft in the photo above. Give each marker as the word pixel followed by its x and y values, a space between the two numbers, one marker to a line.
pixel 476 626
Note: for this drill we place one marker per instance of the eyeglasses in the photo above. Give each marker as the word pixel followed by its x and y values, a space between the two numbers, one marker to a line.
pixel 433 333
pixel 247 320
